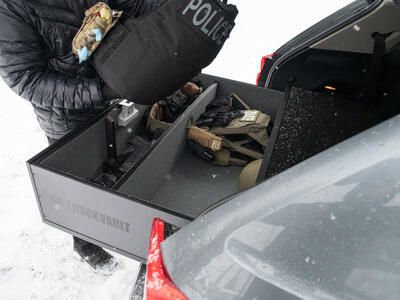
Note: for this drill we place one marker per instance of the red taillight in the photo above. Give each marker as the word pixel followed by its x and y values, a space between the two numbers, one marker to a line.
pixel 158 284
pixel 264 60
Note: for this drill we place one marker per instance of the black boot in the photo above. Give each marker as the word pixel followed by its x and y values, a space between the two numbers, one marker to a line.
pixel 101 261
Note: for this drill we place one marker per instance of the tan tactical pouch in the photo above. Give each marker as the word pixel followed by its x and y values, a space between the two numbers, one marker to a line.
pixel 248 176
pixel 100 16
pixel 253 124
pixel 154 122
pixel 191 89
pixel 224 158
pixel 205 138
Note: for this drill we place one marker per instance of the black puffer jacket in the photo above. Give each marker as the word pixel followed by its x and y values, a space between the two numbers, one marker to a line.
pixel 37 62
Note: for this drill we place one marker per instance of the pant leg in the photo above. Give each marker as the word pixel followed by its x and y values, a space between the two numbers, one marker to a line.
pixel 51 140
pixel 84 248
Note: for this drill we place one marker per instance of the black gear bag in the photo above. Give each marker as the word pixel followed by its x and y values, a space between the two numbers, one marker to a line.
pixel 148 58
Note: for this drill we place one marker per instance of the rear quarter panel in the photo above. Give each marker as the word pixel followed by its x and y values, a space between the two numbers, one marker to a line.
pixel 325 229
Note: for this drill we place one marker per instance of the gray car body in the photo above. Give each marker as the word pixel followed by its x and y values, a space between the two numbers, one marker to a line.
pixel 328 228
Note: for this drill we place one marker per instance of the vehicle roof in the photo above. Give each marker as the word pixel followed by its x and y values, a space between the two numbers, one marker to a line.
pixel 327 228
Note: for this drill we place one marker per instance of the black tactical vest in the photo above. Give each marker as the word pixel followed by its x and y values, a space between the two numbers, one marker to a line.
pixel 148 58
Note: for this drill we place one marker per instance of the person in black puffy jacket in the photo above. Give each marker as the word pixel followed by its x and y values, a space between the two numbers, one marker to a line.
pixel 36 62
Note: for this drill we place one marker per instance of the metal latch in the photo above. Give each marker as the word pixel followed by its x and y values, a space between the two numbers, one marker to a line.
pixel 128 113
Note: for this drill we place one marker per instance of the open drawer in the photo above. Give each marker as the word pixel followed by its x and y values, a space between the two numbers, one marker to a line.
pixel 167 181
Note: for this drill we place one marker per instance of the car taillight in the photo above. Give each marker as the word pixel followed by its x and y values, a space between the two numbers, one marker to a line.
pixel 264 60
pixel 158 283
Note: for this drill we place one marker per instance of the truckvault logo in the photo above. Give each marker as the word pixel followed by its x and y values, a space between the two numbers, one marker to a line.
pixel 77 209
pixel 209 18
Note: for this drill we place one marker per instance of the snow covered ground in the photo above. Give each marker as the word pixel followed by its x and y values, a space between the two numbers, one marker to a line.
pixel 36 261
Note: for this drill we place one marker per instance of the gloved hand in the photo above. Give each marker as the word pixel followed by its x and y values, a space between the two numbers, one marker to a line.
pixel 108 93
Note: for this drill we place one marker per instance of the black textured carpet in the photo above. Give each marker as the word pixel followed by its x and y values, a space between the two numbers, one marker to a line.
pixel 313 122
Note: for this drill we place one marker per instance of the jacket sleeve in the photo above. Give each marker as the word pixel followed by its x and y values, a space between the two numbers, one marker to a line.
pixel 23 66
